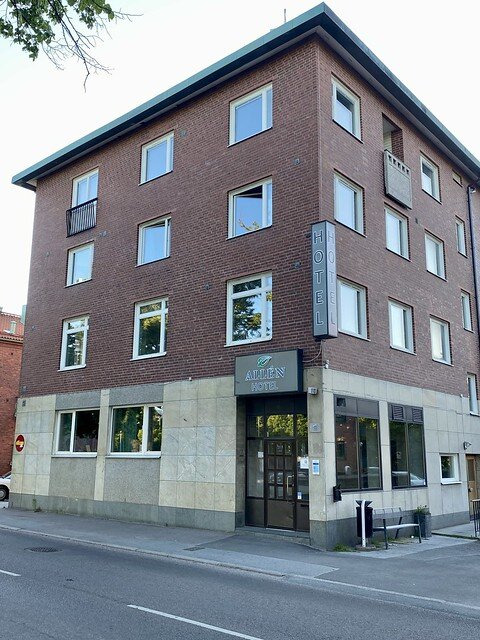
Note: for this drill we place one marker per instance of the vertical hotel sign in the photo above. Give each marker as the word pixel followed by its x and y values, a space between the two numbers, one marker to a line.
pixel 324 280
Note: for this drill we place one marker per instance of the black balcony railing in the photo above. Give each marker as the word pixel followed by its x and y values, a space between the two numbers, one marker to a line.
pixel 82 217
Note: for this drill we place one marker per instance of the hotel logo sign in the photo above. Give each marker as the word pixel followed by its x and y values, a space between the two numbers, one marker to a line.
pixel 276 372
pixel 324 280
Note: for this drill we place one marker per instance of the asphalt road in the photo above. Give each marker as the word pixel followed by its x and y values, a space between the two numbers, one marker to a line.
pixel 82 592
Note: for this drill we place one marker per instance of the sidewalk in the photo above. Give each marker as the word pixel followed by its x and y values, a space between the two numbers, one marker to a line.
pixel 268 553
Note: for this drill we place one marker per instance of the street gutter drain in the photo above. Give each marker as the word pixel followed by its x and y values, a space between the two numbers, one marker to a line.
pixel 41 549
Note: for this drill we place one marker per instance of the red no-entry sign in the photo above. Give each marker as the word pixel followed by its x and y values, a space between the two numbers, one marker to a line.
pixel 19 443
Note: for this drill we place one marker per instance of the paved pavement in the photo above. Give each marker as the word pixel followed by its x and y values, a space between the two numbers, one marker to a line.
pixel 268 553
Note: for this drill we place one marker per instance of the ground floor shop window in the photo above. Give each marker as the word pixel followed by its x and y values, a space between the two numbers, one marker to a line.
pixel 357 449
pixel 137 430
pixel 77 431
pixel 407 447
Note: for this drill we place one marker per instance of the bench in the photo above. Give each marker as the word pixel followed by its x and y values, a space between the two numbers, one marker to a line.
pixel 389 513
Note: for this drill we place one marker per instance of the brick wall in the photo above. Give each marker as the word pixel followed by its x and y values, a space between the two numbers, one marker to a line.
pixel 10 360
pixel 300 152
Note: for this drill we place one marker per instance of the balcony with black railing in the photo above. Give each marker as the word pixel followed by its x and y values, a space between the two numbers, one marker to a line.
pixel 82 217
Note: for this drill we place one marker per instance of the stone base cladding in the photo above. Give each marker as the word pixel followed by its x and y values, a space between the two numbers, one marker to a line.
pixel 199 479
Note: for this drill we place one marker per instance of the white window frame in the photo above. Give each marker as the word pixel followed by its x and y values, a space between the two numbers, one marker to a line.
pixel 71 452
pixel 361 308
pixel 163 313
pixel 435 193
pixel 439 250
pixel 266 206
pixel 472 393
pixel 407 326
pixel 168 160
pixel 71 260
pixel 143 451
pixel 358 202
pixel 466 311
pixel 141 229
pixel 455 467
pixel 461 236
pixel 267 122
pixel 263 290
pixel 76 182
pixel 445 337
pixel 339 87
pixel 403 233
pixel 65 333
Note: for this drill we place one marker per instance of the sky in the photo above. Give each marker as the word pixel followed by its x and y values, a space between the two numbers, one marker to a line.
pixel 430 45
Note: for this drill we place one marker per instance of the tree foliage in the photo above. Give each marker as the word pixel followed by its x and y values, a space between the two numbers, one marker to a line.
pixel 62 29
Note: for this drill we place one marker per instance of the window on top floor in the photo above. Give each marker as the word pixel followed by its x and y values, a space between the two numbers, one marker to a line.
pixel 251 114
pixel 392 138
pixel 157 158
pixel 85 188
pixel 430 177
pixel 346 108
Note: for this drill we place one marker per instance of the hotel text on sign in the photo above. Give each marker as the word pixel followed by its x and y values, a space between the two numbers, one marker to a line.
pixel 324 280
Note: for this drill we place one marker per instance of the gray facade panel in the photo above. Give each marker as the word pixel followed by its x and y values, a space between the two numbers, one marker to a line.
pixel 128 481
pixel 81 400
pixel 138 394
pixel 73 478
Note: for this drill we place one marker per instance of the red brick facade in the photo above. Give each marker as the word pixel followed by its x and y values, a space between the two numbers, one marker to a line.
pixel 301 152
pixel 10 360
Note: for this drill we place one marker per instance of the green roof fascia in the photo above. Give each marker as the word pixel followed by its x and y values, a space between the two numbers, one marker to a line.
pixel 320 19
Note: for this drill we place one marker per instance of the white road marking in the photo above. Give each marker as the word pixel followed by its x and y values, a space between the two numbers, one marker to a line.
pixel 9 573
pixel 194 622
pixel 399 593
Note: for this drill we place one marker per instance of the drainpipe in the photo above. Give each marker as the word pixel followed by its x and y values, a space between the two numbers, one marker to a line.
pixel 471 189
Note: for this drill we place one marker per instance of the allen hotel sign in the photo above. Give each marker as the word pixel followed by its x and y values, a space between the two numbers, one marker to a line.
pixel 324 280
pixel 274 372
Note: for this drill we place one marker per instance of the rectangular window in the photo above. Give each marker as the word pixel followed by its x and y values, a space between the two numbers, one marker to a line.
pixel 80 261
pixel 150 330
pixel 251 114
pixel 348 204
pixel 85 188
pixel 472 393
pixel 396 228
pixel 466 311
pixel 77 431
pixel 430 181
pixel 249 309
pixel 440 336
pixel 345 108
pixel 137 430
pixel 153 241
pixel 352 308
pixel 407 447
pixel 401 326
pixel 157 158
pixel 434 255
pixel 449 468
pixel 250 208
pixel 74 343
pixel 357 450
pixel 457 178
pixel 461 238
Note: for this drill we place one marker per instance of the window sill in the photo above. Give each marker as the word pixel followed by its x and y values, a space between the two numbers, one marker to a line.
pixel 399 255
pixel 475 413
pixel 469 330
pixel 412 353
pixel 74 284
pixel 78 366
pixel 346 226
pixel 232 143
pixel 155 178
pixel 413 487
pixel 437 275
pixel 350 133
pixel 432 196
pixel 132 456
pixel 354 335
pixel 243 342
pixel 74 454
pixel 448 364
pixel 149 357
pixel 143 264
pixel 445 482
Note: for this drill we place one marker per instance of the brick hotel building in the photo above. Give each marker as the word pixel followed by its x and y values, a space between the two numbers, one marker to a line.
pixel 171 373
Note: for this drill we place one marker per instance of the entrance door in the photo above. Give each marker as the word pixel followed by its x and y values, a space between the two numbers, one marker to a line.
pixel 280 483
pixel 473 478
pixel 277 492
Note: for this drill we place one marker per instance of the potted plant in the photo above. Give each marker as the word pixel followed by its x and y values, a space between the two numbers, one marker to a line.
pixel 423 517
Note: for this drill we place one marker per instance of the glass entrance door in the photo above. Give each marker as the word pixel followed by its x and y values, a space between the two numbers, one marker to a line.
pixel 277 463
